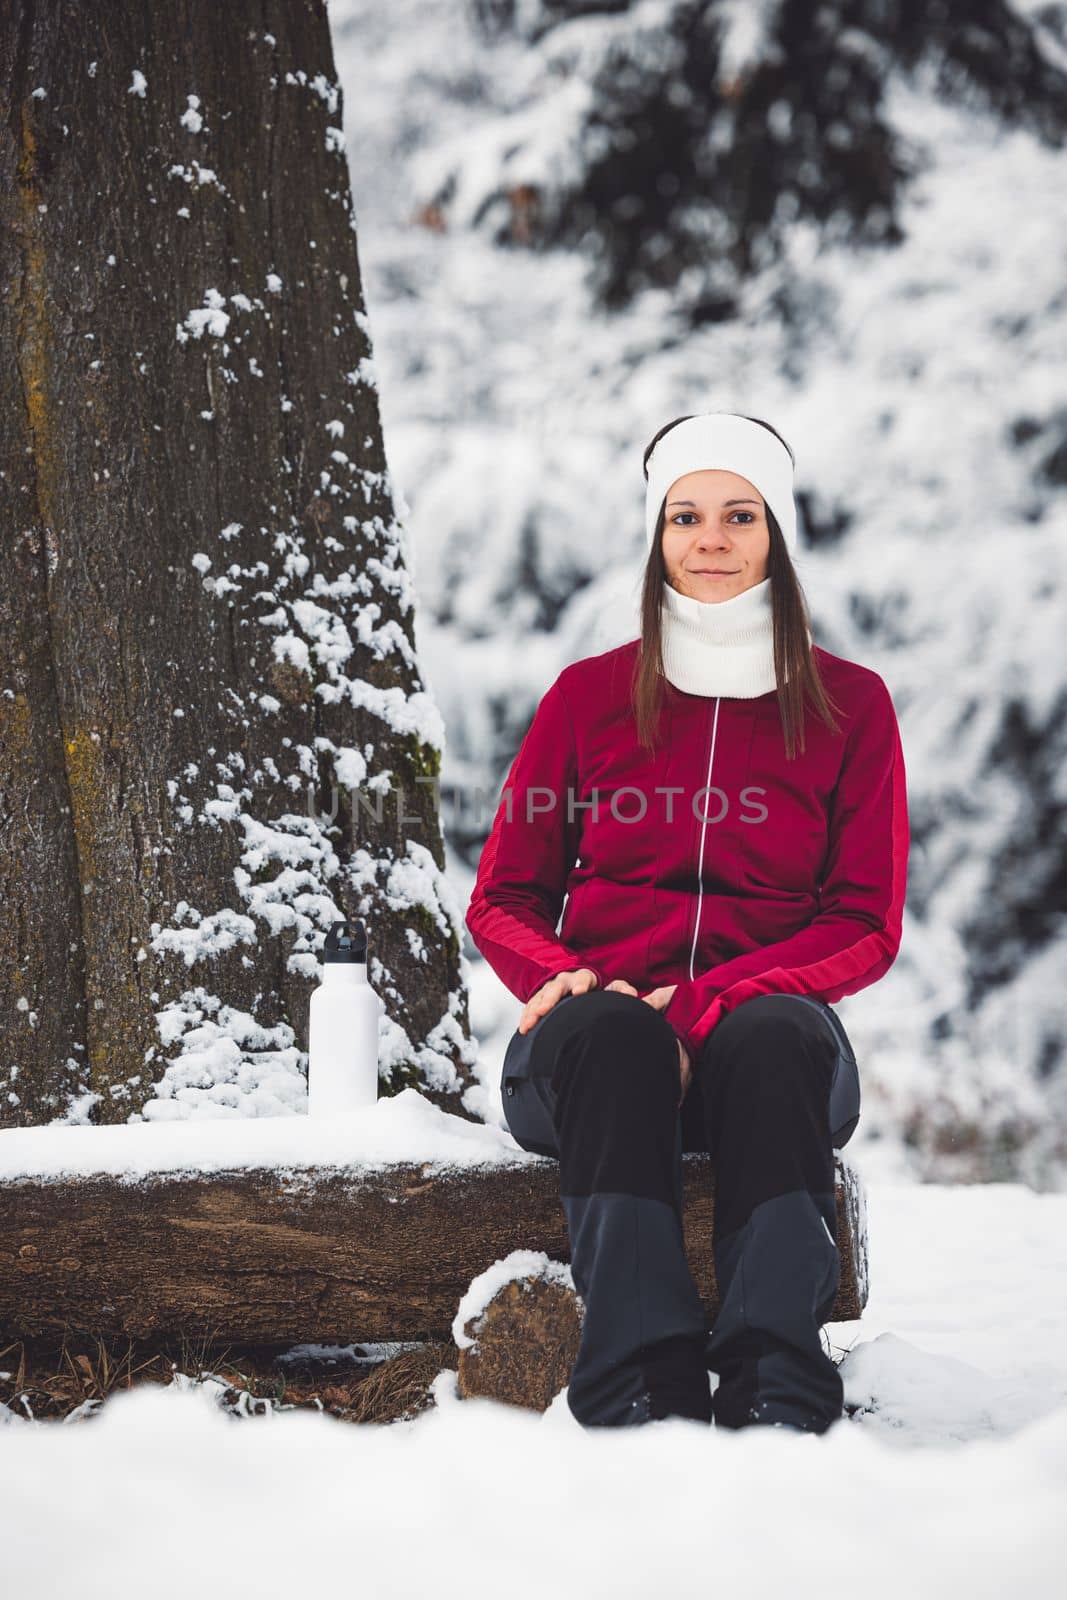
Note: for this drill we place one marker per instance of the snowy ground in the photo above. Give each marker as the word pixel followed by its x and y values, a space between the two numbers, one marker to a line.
pixel 950 1480
pixel 503 399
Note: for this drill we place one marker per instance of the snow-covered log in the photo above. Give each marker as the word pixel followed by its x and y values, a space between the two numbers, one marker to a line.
pixel 311 1252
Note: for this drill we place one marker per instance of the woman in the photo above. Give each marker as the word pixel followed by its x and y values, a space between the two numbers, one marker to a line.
pixel 722 803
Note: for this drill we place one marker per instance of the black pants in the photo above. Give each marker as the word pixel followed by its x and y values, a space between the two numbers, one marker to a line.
pixel 595 1083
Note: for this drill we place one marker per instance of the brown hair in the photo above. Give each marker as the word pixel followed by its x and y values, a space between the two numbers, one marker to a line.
pixel 795 667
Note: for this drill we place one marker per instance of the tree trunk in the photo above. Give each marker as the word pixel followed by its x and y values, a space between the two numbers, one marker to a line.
pixel 206 625
pixel 313 1255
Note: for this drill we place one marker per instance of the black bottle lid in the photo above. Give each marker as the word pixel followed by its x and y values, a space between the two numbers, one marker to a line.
pixel 346 942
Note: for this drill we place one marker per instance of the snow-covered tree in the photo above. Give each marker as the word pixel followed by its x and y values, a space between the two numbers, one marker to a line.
pixel 215 738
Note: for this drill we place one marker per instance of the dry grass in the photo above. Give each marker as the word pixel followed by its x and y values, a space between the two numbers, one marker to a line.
pixel 43 1380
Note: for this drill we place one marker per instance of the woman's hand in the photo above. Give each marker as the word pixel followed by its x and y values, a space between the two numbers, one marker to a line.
pixel 580 982
pixel 660 998
pixel 542 1000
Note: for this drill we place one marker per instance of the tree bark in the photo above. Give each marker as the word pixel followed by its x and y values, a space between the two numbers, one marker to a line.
pixel 314 1254
pixel 206 617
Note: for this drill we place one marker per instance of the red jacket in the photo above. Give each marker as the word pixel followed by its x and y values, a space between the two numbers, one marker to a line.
pixel 781 877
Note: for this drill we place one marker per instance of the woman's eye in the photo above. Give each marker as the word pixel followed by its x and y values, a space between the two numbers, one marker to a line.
pixel 679 514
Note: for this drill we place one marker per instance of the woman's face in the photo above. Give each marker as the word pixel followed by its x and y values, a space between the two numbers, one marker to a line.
pixel 715 535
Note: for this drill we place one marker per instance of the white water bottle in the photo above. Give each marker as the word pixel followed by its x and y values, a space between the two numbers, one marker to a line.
pixel 343 1027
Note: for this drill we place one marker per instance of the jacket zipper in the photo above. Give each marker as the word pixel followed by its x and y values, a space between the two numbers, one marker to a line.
pixel 703 829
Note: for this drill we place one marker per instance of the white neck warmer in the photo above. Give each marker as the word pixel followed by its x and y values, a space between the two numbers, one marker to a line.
pixel 719 646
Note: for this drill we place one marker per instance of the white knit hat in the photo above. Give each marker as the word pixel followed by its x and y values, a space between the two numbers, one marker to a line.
pixel 736 444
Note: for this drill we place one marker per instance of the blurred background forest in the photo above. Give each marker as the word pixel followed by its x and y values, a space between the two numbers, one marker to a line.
pixel 579 220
